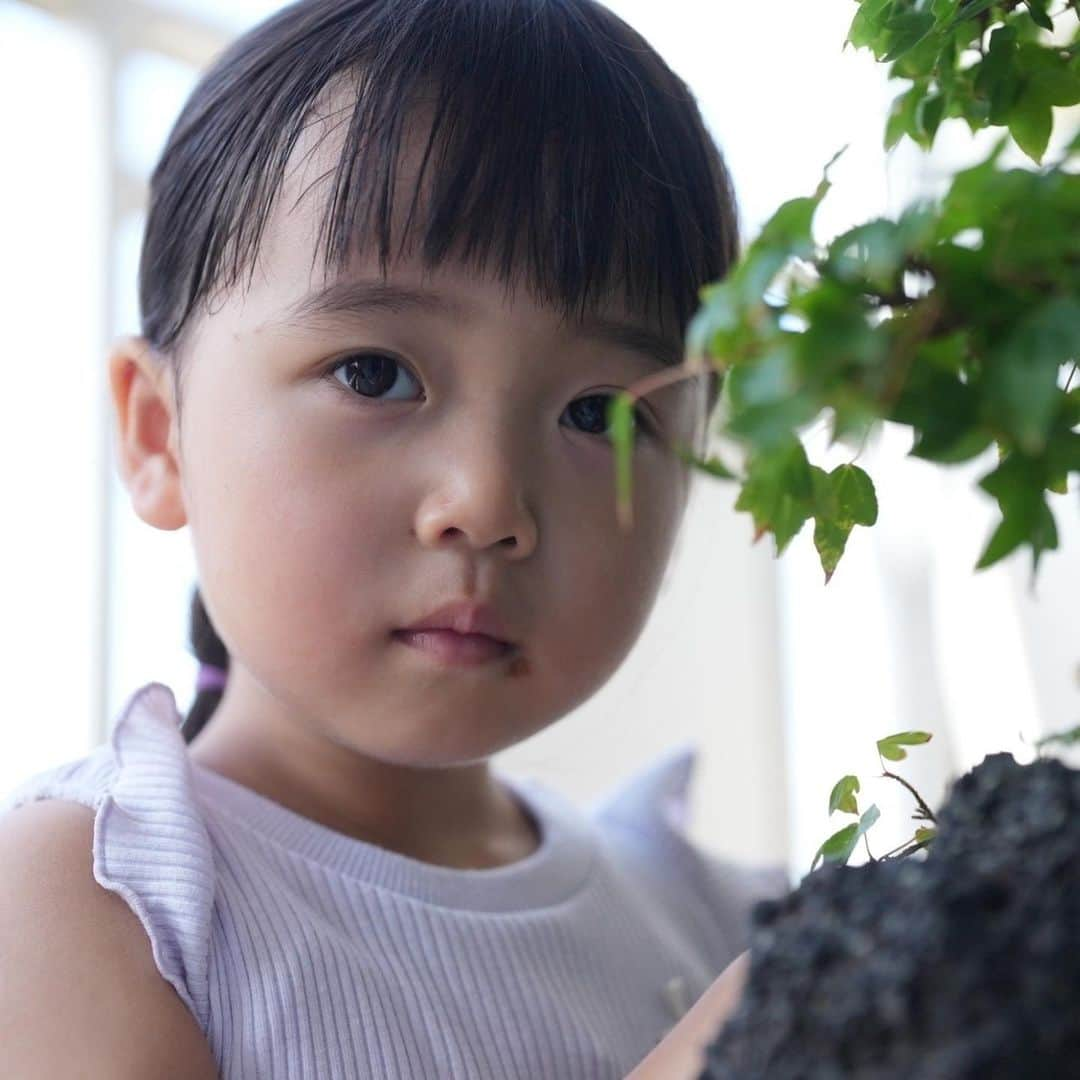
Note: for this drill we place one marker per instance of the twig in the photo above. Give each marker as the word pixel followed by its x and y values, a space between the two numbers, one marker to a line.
pixel 917 845
pixel 925 813
pixel 899 847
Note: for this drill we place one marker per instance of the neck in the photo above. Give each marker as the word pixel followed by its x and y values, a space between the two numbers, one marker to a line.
pixel 459 817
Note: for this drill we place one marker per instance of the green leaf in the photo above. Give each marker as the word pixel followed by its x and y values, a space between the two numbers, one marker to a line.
pixel 713 465
pixel 620 418
pixel 790 227
pixel 905 31
pixel 903 119
pixel 892 746
pixel 972 11
pixel 1049 79
pixel 942 409
pixel 924 834
pixel 997 76
pixel 1069 737
pixel 853 491
pixel 840 845
pixel 1021 378
pixel 1035 526
pixel 843 499
pixel 1030 121
pixel 778 492
pixel 842 797
pixel 1018 484
pixel 1039 15
pixel 944 9
pixel 929 116
pixel 869 22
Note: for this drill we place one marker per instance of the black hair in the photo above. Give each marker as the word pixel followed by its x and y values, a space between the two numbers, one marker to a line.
pixel 561 144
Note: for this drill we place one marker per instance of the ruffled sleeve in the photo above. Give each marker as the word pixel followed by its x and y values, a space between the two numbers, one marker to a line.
pixel 150 843
pixel 646 818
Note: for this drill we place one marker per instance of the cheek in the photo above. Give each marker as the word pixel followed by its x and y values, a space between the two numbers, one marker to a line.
pixel 284 537
pixel 601 581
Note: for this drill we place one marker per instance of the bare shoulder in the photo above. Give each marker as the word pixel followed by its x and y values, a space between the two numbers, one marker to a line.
pixel 80 984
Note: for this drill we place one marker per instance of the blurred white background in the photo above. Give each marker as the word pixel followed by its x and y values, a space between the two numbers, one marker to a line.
pixel 781 683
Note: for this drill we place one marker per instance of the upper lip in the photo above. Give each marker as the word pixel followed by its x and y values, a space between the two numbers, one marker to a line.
pixel 464 617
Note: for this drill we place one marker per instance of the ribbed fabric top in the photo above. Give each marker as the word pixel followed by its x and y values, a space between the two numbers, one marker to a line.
pixel 305 953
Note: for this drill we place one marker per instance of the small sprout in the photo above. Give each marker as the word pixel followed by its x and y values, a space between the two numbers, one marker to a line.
pixel 843 796
pixel 924 834
pixel 892 746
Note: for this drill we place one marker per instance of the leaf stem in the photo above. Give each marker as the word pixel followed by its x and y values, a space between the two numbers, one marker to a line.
pixel 925 813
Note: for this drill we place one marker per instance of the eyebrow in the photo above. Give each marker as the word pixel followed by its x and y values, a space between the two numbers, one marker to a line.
pixel 357 297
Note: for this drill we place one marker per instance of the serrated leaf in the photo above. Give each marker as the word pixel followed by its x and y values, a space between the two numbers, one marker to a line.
pixel 892 746
pixel 778 492
pixel 842 797
pixel 1018 485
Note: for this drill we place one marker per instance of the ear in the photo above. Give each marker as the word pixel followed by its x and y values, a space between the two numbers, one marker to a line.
pixel 147 432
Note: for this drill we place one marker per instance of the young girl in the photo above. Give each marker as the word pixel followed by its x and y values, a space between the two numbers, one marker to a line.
pixel 400 255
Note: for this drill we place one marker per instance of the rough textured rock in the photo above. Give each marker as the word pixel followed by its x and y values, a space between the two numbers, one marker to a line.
pixel 965 964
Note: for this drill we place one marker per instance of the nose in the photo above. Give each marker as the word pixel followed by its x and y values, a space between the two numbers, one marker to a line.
pixel 478 500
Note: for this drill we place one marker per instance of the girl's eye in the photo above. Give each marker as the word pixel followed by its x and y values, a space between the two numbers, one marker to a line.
pixel 591 412
pixel 371 374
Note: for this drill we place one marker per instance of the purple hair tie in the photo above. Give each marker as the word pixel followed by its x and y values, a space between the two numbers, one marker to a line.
pixel 211 678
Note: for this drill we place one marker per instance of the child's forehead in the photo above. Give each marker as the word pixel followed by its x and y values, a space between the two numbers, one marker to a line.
pixel 291 265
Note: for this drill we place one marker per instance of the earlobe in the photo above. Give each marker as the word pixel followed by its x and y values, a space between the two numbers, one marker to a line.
pixel 146 438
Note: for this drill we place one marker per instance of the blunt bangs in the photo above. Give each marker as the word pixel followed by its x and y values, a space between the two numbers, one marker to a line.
pixel 561 148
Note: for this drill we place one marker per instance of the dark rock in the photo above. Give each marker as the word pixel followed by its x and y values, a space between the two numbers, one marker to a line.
pixel 961 965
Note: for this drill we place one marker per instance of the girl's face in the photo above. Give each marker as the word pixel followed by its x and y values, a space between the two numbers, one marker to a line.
pixel 334 500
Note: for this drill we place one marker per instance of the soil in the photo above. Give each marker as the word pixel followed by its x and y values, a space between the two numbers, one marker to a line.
pixel 964 964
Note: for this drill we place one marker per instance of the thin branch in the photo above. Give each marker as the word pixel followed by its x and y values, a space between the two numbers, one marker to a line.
pixel 911 848
pixel 925 813
pixel 899 847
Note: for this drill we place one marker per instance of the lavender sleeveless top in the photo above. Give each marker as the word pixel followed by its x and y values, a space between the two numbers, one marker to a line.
pixel 303 953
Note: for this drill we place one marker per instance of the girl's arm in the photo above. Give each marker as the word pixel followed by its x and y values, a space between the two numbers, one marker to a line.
pixel 80 993
pixel 681 1054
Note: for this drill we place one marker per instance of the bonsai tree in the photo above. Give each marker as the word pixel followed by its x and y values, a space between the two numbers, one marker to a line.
pixel 959 320
pixel 954 955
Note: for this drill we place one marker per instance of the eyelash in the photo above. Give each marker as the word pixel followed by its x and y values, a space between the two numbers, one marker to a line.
pixel 644 422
